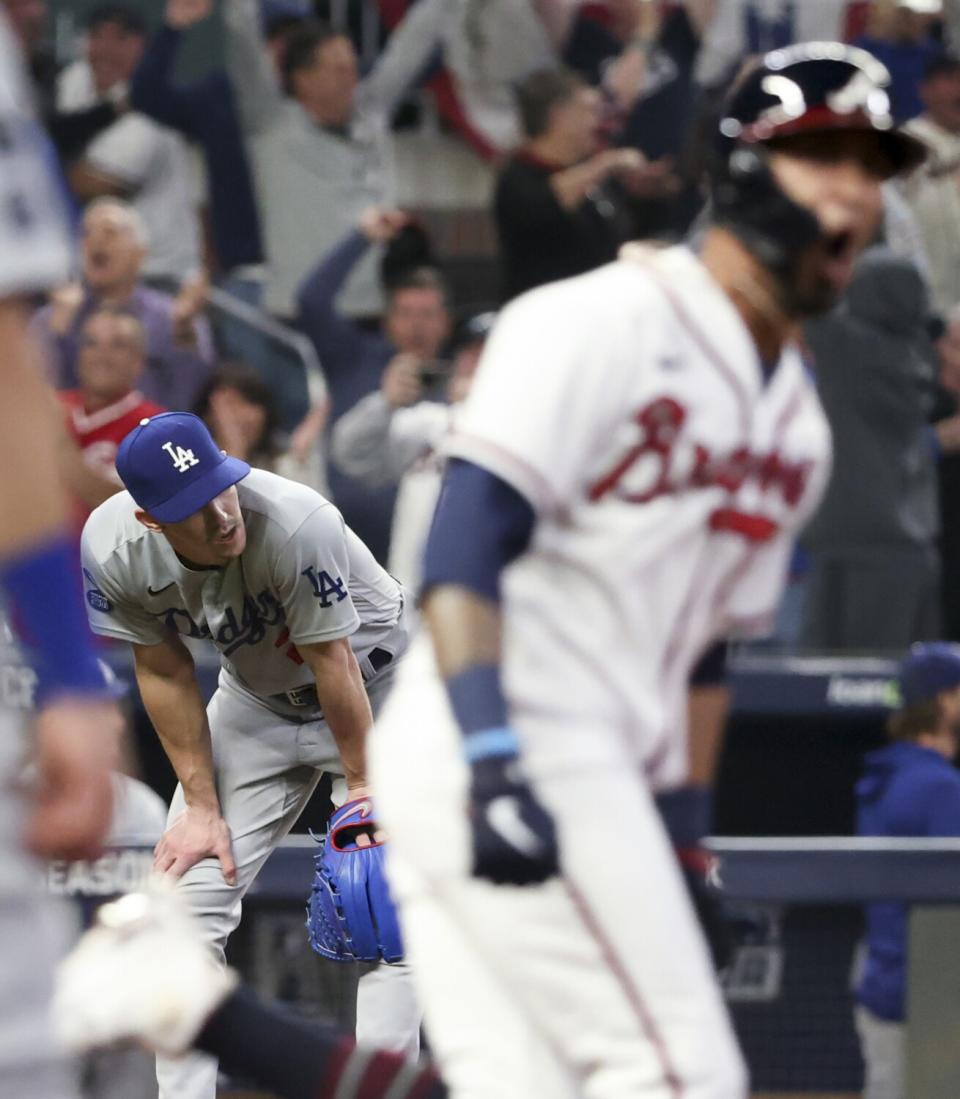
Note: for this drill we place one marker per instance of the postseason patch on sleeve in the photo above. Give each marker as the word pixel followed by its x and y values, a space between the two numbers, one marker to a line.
pixel 95 596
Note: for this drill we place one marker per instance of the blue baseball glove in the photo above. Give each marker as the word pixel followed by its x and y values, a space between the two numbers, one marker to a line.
pixel 350 915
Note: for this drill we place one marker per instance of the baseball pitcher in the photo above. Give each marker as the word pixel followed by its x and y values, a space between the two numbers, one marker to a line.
pixel 309 629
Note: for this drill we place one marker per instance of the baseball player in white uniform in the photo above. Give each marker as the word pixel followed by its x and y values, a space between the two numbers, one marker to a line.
pixel 73 734
pixel 637 452
pixel 309 628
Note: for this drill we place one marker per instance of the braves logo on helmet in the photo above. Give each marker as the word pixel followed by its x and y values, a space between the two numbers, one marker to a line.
pixel 815 87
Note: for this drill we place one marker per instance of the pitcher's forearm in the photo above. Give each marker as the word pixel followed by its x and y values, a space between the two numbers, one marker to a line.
pixel 176 710
pixel 343 699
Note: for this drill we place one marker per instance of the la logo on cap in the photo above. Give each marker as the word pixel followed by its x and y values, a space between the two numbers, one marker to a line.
pixel 183 459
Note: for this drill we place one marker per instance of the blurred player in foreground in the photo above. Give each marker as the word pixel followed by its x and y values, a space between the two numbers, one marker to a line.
pixel 75 730
pixel 637 451
pixel 144 974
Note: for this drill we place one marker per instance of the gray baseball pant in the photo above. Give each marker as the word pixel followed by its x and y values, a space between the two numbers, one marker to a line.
pixel 267 767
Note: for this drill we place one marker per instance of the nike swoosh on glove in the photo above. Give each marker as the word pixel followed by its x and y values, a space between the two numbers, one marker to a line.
pixel 514 839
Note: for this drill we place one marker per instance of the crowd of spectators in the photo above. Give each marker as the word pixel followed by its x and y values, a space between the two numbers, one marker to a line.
pixel 270 171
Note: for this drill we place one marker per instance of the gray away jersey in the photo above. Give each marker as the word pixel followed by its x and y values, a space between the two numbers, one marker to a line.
pixel 304 577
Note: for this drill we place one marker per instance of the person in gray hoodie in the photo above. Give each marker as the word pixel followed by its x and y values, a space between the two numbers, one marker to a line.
pixel 875 574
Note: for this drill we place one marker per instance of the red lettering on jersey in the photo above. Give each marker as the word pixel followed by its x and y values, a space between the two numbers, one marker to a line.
pixel 659 426
pixel 755 528
pixel 291 652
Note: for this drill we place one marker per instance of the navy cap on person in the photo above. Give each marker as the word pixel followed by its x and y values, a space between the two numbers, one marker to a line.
pixel 172 467
pixel 929 668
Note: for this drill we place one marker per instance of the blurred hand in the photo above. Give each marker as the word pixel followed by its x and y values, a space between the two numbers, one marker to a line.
pixel 948 434
pixel 185 13
pixel 187 306
pixel 700 13
pixel 380 224
pixel 649 178
pixel 76 745
pixel 401 383
pixel 641 18
pixel 948 348
pixel 638 23
pixel 196 834
pixel 304 439
pixel 623 162
pixel 65 303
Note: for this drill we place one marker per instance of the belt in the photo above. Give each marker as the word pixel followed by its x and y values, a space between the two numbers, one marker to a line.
pixel 307 694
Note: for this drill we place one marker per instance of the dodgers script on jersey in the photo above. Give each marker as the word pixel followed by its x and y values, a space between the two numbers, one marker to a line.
pixel 669 478
pixel 304 577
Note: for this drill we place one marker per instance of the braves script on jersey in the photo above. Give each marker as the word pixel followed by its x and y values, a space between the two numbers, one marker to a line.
pixel 668 478
pixel 304 577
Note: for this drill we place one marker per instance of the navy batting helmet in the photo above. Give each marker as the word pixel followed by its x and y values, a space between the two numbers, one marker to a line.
pixel 809 88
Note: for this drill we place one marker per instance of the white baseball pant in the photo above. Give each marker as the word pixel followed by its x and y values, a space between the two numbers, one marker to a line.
pixel 267 768
pixel 598 983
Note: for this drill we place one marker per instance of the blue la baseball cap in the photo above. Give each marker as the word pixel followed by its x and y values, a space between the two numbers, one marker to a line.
pixel 929 668
pixel 172 467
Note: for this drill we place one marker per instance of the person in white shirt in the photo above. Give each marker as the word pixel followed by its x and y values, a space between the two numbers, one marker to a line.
pixel 933 191
pixel 135 158
pixel 395 435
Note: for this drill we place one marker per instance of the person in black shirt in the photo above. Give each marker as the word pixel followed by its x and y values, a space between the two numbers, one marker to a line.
pixel 558 206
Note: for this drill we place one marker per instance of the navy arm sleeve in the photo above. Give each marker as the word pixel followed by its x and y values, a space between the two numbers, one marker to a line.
pixel 205 110
pixel 481 524
pixel 337 338
pixel 152 90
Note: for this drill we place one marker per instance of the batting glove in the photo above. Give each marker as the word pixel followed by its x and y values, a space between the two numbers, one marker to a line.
pixel 514 839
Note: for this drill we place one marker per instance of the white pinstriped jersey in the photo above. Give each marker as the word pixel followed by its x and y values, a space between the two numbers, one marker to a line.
pixel 35 248
pixel 629 407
